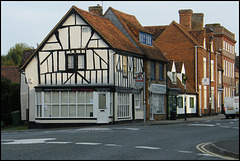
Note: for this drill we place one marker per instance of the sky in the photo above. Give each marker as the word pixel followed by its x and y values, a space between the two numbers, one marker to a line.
pixel 30 21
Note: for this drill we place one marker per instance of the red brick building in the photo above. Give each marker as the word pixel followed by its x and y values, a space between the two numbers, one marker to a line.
pixel 191 43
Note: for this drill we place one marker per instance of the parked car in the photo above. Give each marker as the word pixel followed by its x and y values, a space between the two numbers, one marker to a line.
pixel 231 106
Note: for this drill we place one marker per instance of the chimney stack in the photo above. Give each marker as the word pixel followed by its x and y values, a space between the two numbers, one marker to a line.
pixel 96 9
pixel 197 21
pixel 186 17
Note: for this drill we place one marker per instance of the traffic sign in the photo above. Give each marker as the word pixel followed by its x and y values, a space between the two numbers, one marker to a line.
pixel 139 78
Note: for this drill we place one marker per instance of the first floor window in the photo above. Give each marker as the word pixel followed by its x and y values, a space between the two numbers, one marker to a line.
pixel 64 104
pixel 153 70
pixel 75 61
pixel 161 71
pixel 123 105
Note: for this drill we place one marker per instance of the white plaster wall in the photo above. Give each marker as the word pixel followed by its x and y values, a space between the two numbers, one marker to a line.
pixel 24 97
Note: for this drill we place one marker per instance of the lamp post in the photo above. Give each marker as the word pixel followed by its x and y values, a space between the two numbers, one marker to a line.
pixel 210 95
pixel 184 79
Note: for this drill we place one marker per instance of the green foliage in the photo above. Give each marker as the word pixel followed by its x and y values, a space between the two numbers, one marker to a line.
pixel 15 54
pixel 10 99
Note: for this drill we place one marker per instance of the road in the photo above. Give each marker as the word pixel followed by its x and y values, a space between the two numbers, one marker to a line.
pixel 118 142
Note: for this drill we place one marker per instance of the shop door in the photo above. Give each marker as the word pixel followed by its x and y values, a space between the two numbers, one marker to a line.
pixel 102 109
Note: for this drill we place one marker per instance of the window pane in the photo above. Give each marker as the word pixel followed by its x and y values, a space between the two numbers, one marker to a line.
pixel 81 97
pixel 89 96
pixel 47 111
pixel 81 110
pixel 64 110
pixel 71 61
pixel 72 97
pixel 64 97
pixel 55 97
pixel 47 97
pixel 55 111
pixel 80 61
pixel 161 71
pixel 89 110
pixel 72 111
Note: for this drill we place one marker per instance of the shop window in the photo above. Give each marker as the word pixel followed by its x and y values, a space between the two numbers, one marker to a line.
pixel 123 106
pixel 64 104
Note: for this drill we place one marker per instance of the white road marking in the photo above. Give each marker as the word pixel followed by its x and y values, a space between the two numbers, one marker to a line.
pixel 58 142
pixel 30 141
pixel 184 151
pixel 93 129
pixel 208 125
pixel 128 128
pixel 208 155
pixel 112 145
pixel 147 147
pixel 86 143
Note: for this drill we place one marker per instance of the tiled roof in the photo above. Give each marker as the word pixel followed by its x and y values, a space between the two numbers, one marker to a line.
pixel 11 72
pixel 180 86
pixel 156 30
pixel 133 27
pixel 109 31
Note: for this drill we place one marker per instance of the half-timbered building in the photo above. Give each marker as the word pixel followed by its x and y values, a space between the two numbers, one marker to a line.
pixel 83 72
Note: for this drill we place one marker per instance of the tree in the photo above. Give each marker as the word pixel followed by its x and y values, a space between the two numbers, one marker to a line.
pixel 14 55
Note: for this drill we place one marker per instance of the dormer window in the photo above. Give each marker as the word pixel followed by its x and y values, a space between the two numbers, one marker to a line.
pixel 145 38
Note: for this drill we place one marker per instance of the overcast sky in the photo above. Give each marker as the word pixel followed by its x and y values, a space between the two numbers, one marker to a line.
pixel 30 21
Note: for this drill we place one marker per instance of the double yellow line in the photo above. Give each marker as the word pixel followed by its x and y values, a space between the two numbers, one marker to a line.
pixel 201 147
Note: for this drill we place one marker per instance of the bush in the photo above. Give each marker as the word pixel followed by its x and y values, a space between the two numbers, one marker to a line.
pixel 10 99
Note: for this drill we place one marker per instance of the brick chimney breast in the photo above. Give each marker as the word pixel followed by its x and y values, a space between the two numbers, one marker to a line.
pixel 185 17
pixel 96 9
pixel 197 21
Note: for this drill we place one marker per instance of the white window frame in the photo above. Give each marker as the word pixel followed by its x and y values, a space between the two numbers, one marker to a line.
pixel 138 100
pixel 204 67
pixel 60 104
pixel 205 97
pixel 212 70
pixel 123 107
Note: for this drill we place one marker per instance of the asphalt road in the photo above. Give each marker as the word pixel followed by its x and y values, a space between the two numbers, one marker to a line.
pixel 119 142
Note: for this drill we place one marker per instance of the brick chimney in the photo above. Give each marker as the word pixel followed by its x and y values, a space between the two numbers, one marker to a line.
pixel 197 21
pixel 96 9
pixel 185 17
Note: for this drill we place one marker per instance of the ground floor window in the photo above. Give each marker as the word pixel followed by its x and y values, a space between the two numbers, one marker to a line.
pixel 191 101
pixel 64 104
pixel 157 103
pixel 180 102
pixel 123 105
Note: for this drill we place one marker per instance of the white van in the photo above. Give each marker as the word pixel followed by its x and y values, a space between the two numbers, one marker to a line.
pixel 231 106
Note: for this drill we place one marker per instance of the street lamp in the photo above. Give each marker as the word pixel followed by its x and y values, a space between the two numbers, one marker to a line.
pixel 210 98
pixel 184 79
